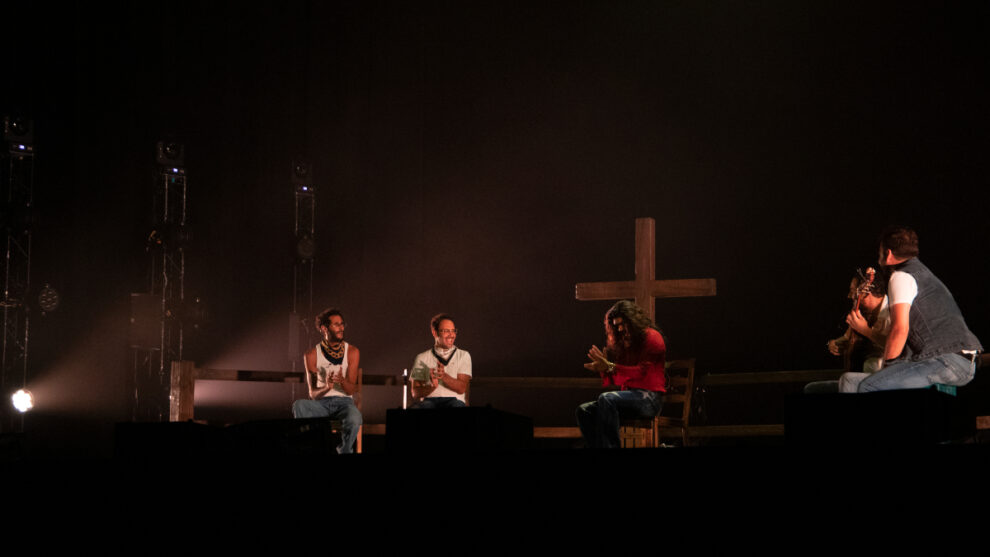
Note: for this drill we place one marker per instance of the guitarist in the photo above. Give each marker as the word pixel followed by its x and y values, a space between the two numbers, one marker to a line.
pixel 871 323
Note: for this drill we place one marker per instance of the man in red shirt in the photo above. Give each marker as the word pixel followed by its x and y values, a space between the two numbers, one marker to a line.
pixel 633 360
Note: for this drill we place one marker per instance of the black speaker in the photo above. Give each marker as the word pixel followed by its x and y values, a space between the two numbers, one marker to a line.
pixel 456 430
pixel 885 418
pixel 258 439
pixel 291 437
pixel 168 440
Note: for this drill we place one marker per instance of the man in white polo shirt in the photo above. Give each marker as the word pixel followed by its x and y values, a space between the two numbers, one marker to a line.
pixel 440 376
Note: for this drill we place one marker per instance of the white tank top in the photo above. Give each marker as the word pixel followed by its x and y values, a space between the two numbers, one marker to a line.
pixel 325 369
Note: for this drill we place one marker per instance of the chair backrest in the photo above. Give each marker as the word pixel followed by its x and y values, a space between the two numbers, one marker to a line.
pixel 357 389
pixel 359 442
pixel 680 386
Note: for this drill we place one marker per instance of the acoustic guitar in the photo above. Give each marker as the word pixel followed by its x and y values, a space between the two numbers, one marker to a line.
pixel 852 355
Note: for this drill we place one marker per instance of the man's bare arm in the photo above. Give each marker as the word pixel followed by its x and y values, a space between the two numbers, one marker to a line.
pixel 460 383
pixel 348 383
pixel 309 360
pixel 457 384
pixel 859 324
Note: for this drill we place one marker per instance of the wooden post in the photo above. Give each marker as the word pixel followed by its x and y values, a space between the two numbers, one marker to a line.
pixel 182 391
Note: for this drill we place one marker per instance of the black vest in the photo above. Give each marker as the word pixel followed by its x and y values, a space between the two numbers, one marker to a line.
pixel 936 324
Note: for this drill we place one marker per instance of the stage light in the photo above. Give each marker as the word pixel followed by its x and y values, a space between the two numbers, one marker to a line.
pixel 301 170
pixel 23 400
pixel 170 154
pixel 305 247
pixel 18 126
pixel 302 176
pixel 18 131
pixel 48 299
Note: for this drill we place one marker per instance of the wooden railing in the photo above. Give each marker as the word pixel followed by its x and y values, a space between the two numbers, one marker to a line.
pixel 184 375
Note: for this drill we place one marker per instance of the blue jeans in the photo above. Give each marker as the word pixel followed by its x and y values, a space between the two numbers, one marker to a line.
pixel 822 387
pixel 948 369
pixel 336 408
pixel 439 402
pixel 847 383
pixel 599 420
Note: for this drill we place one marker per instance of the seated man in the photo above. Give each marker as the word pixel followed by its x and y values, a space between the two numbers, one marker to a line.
pixel 637 352
pixel 929 342
pixel 331 377
pixel 440 376
pixel 872 323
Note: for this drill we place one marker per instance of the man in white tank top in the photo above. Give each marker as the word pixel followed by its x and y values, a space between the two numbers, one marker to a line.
pixel 441 375
pixel 331 377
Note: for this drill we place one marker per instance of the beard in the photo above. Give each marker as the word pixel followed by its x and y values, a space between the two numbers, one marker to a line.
pixel 440 343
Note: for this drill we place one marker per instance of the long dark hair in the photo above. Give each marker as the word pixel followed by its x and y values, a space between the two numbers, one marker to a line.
pixel 637 323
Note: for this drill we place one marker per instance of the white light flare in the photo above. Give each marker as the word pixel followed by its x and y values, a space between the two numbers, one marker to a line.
pixel 23 400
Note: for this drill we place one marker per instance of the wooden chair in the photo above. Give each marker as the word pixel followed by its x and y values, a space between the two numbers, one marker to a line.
pixel 675 413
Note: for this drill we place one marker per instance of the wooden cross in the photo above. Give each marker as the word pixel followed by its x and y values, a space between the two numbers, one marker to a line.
pixel 645 289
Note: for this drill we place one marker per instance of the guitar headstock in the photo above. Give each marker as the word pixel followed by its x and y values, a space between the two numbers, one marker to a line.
pixel 865 282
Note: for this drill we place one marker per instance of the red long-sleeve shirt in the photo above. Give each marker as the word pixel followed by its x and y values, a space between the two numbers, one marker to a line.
pixel 643 370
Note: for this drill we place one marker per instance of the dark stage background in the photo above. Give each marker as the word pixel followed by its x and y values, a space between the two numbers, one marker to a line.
pixel 480 159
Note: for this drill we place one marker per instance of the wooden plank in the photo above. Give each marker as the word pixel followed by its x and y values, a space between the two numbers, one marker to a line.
pixel 563 382
pixel 619 290
pixel 538 382
pixel 556 432
pixel 249 375
pixel 282 376
pixel 546 382
pixel 216 374
pixel 803 376
pixel 270 376
pixel 682 288
pixel 753 430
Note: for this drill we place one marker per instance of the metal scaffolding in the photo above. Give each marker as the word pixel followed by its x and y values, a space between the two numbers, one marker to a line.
pixel 164 301
pixel 16 188
pixel 300 328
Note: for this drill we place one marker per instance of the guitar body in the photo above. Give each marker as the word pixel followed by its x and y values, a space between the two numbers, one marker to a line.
pixel 856 352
